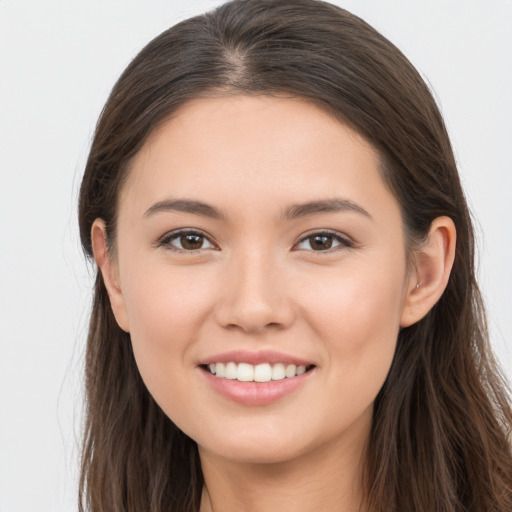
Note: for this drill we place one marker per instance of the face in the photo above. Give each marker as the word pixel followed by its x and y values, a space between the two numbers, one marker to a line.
pixel 260 269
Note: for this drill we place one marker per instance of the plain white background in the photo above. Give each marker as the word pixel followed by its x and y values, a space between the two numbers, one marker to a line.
pixel 58 61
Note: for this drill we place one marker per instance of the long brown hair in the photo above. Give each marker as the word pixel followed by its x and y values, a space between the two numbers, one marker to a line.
pixel 442 421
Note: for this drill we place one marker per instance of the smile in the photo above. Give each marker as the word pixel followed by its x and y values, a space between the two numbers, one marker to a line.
pixel 265 372
pixel 256 378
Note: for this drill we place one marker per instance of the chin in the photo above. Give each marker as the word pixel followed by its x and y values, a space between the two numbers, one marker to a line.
pixel 264 452
pixel 264 445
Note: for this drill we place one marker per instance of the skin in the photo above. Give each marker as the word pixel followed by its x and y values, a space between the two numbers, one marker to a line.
pixel 256 282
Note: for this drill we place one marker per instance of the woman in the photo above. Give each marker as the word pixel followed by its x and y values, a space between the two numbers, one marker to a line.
pixel 285 313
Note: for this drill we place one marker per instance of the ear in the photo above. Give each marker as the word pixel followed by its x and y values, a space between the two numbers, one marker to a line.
pixel 109 272
pixel 433 263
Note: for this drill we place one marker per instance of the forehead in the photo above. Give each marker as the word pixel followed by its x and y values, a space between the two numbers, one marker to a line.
pixel 236 149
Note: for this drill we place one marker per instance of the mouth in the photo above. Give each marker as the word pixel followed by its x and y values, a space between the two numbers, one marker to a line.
pixel 256 378
pixel 264 372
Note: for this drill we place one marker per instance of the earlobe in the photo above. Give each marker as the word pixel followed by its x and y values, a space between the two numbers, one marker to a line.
pixel 433 264
pixel 109 273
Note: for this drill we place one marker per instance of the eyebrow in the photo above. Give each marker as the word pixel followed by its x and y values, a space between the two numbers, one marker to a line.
pixel 292 212
pixel 323 206
pixel 187 206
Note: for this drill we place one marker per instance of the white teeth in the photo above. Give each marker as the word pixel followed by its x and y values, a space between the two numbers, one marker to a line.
pixel 220 370
pixel 278 372
pixel 231 372
pixel 245 372
pixel 290 370
pixel 265 372
pixel 262 373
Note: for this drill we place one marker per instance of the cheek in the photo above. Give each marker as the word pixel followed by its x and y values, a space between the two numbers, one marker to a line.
pixel 166 310
pixel 165 303
pixel 357 314
pixel 359 297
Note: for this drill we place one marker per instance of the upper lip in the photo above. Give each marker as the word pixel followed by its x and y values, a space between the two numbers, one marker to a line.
pixel 254 358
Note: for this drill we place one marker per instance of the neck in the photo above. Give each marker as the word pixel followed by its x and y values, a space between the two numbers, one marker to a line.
pixel 327 479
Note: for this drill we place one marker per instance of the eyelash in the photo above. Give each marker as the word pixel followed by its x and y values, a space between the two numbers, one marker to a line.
pixel 166 240
pixel 343 242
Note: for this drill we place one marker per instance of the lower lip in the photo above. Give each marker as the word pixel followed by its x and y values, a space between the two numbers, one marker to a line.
pixel 255 393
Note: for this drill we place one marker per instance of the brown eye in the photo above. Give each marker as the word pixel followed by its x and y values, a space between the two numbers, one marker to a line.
pixel 323 242
pixel 191 242
pixel 186 241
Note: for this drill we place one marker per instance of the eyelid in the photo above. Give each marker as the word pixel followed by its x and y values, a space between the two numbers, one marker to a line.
pixel 345 242
pixel 164 240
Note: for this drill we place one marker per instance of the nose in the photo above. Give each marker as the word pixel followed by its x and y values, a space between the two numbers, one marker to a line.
pixel 254 297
